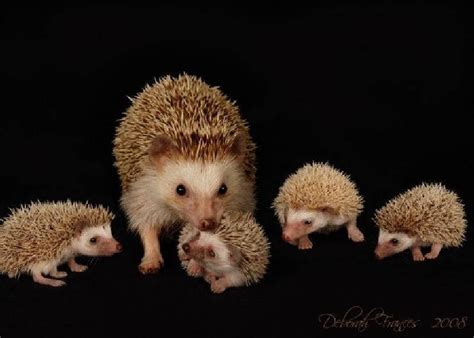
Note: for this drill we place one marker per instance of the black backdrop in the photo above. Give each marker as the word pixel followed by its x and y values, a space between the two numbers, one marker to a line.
pixel 381 92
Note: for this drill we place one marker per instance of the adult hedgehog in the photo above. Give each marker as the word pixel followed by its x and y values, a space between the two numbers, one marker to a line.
pixel 183 153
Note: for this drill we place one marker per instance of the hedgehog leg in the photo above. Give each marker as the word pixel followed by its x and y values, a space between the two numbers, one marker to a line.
pixel 435 250
pixel 417 254
pixel 353 231
pixel 39 278
pixel 75 266
pixel 209 277
pixel 152 260
pixel 219 285
pixel 304 243
pixel 57 274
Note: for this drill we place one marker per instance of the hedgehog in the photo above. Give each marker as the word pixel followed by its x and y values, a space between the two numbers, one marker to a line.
pixel 35 239
pixel 184 155
pixel 426 215
pixel 235 254
pixel 317 198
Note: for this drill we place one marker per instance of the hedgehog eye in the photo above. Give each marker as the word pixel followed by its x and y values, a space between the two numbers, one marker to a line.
pixel 308 221
pixel 211 253
pixel 222 189
pixel 394 241
pixel 181 190
pixel 93 240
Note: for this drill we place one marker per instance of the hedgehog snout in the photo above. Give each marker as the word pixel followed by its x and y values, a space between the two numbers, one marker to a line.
pixel 207 224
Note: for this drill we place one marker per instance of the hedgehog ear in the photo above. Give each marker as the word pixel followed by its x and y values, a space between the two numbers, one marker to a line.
pixel 79 226
pixel 234 254
pixel 238 148
pixel 162 147
pixel 329 209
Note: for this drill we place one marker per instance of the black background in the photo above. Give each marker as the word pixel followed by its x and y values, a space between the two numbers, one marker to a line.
pixel 382 92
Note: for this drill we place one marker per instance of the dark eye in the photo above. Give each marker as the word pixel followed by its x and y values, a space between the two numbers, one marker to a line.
pixel 394 241
pixel 222 189
pixel 181 190
pixel 211 253
pixel 308 221
pixel 93 240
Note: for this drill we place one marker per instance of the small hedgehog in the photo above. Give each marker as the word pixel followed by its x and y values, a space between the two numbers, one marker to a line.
pixel 317 197
pixel 235 254
pixel 37 238
pixel 183 154
pixel 426 215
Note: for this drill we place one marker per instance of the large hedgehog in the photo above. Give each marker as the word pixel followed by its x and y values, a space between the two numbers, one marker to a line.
pixel 35 239
pixel 426 215
pixel 235 254
pixel 317 197
pixel 183 153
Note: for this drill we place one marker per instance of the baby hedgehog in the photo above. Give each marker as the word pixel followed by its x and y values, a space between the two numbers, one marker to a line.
pixel 317 197
pixel 426 215
pixel 184 155
pixel 37 238
pixel 235 254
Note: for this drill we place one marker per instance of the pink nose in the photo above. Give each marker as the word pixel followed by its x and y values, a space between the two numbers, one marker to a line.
pixel 207 224
pixel 285 237
pixel 118 247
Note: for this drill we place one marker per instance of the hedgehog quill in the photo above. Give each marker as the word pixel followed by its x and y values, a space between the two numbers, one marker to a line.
pixel 183 154
pixel 428 215
pixel 37 238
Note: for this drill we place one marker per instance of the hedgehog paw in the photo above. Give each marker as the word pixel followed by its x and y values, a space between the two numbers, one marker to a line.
pixel 210 278
pixel 219 285
pixel 194 269
pixel 355 234
pixel 48 281
pixel 149 266
pixel 304 243
pixel 418 256
pixel 431 255
pixel 78 268
pixel 58 274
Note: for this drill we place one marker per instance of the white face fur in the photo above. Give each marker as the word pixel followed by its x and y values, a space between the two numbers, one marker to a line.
pixel 88 243
pixel 314 220
pixel 215 255
pixel 200 191
pixel 393 243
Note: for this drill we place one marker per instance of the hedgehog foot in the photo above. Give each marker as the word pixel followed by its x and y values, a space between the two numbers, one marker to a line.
pixel 58 274
pixel 354 233
pixel 304 243
pixel 76 267
pixel 151 265
pixel 209 277
pixel 417 254
pixel 219 285
pixel 40 279
pixel 194 269
pixel 435 250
